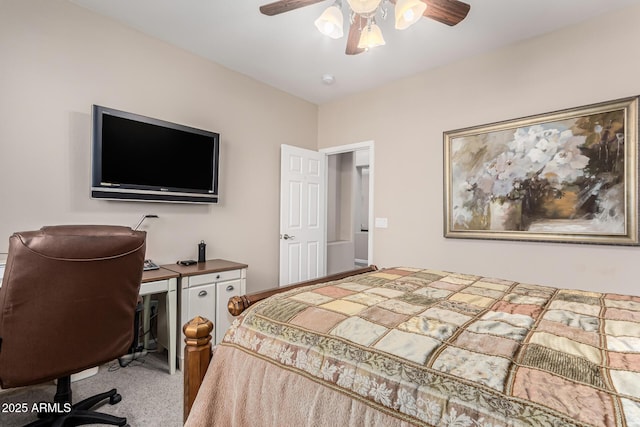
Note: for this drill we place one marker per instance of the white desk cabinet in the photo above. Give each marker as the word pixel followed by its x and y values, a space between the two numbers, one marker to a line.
pixel 205 289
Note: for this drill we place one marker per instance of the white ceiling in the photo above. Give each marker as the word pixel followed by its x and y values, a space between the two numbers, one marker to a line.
pixel 287 52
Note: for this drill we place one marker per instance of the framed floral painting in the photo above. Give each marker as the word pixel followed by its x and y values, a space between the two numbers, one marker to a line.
pixel 566 176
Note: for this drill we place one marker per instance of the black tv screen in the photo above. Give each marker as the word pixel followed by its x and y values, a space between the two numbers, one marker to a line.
pixel 140 158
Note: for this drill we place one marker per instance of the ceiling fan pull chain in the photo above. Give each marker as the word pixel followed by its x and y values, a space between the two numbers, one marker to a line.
pixel 384 9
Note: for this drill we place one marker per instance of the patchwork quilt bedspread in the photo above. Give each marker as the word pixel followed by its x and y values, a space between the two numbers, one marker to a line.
pixel 442 349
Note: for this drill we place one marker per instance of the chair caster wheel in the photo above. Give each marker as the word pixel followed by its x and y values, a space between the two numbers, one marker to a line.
pixel 116 398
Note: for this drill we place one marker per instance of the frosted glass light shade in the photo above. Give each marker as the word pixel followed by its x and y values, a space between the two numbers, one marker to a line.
pixel 330 22
pixel 408 12
pixel 363 6
pixel 371 36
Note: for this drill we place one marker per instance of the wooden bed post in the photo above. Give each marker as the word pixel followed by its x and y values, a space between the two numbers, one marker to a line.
pixel 197 355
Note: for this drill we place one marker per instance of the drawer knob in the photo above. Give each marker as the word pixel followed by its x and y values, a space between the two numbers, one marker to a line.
pixel 202 293
pixel 229 288
pixel 218 276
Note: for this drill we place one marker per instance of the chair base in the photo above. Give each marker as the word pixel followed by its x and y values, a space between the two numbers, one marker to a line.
pixel 79 413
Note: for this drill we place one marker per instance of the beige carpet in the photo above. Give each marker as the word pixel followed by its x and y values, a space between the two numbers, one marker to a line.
pixel 150 396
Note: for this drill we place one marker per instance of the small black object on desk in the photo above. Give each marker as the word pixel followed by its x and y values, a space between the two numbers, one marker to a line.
pixel 202 249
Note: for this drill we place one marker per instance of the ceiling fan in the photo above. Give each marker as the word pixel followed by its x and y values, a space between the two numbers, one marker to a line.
pixel 363 31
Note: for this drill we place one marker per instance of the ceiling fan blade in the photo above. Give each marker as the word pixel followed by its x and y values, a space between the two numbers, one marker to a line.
pixel 282 6
pixel 449 12
pixel 354 35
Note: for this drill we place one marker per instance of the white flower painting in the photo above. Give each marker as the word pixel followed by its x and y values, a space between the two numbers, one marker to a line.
pixel 567 174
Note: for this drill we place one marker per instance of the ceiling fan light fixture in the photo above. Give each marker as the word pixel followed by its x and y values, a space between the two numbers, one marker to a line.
pixel 363 34
pixel 371 36
pixel 362 7
pixel 330 22
pixel 408 12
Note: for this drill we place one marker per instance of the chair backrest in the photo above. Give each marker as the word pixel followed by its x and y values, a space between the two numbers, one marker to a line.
pixel 68 300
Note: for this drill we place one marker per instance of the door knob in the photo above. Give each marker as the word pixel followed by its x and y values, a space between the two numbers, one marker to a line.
pixel 287 237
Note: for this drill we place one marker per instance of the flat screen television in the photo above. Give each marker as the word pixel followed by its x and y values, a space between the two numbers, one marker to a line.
pixel 139 158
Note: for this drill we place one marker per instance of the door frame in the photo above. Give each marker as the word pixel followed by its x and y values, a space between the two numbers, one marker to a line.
pixel 357 146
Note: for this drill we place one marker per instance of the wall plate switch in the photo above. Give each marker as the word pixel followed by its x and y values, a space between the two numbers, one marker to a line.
pixel 382 223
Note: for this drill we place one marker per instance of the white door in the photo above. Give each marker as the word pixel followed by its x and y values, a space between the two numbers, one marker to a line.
pixel 302 214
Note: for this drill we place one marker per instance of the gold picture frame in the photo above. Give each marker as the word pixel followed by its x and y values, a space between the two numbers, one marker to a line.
pixel 567 176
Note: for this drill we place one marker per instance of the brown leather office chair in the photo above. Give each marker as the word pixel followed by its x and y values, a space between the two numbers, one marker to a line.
pixel 67 303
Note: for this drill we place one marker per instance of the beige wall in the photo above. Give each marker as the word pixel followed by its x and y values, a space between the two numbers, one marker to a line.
pixel 58 59
pixel 592 62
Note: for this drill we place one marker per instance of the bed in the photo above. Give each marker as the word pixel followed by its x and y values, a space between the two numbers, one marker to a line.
pixel 406 346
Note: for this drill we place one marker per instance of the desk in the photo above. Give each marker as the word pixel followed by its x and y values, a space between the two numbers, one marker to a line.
pixel 166 282
pixel 205 289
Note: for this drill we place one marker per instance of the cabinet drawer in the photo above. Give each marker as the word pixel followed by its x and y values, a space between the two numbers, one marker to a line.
pixel 224 291
pixel 154 287
pixel 202 302
pixel 213 277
